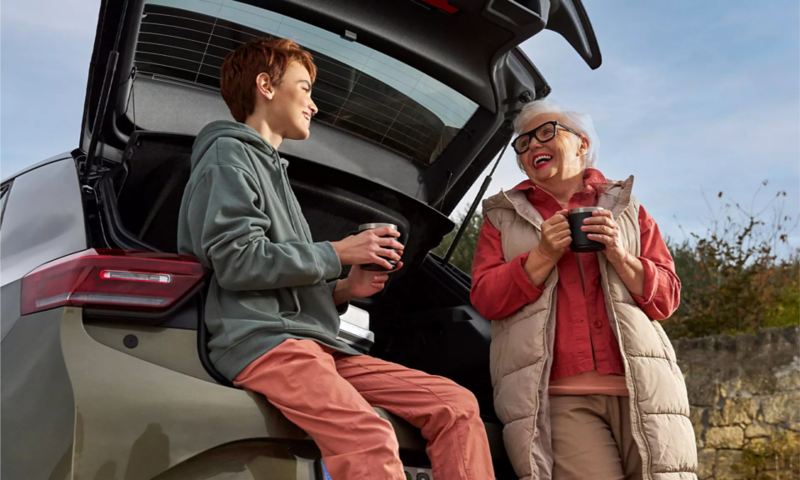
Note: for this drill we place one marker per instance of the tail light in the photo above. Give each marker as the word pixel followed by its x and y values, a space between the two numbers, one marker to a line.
pixel 111 279
pixel 443 5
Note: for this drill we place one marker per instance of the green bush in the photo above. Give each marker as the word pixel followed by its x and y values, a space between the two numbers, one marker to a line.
pixel 733 280
pixel 785 310
pixel 462 256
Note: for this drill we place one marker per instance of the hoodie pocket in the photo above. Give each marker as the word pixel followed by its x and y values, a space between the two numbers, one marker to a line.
pixel 288 303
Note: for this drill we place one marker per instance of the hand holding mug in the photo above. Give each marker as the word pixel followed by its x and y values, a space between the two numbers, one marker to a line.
pixel 371 246
pixel 555 236
pixel 365 283
pixel 380 267
pixel 601 228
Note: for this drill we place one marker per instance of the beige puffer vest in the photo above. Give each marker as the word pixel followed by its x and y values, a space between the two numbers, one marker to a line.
pixel 522 345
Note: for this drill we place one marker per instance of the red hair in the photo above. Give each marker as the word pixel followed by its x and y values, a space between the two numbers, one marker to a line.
pixel 238 74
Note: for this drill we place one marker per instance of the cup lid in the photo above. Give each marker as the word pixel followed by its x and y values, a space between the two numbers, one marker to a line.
pixel 585 209
pixel 370 226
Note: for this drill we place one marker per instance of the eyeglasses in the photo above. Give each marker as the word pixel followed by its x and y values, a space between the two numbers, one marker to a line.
pixel 543 133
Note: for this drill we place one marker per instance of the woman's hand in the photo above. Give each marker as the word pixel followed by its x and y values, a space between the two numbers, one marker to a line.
pixel 361 283
pixel 554 242
pixel 370 246
pixel 555 237
pixel 601 227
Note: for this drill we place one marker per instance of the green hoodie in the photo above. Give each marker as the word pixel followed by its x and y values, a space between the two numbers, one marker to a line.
pixel 270 281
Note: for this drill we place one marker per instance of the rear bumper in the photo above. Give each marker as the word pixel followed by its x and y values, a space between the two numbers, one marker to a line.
pixel 134 415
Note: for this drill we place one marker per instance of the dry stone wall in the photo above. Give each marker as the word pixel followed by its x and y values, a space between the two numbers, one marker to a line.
pixel 744 393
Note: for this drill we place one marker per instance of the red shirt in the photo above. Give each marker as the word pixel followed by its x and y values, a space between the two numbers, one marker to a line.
pixel 584 340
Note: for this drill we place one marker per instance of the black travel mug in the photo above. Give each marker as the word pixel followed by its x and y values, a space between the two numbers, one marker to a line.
pixel 580 242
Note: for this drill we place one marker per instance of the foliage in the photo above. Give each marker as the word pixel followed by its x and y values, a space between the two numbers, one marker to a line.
pixel 462 256
pixel 775 458
pixel 732 278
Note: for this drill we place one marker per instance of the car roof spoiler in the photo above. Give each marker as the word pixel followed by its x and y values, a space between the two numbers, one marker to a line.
pixel 571 22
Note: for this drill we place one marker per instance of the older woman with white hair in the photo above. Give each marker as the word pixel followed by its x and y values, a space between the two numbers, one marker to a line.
pixel 585 380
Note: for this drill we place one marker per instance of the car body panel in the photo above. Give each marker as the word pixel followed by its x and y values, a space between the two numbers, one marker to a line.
pixel 248 460
pixel 175 416
pixel 37 400
pixel 55 158
pixel 39 225
pixel 172 348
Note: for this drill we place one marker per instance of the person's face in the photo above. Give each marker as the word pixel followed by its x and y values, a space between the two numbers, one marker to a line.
pixel 291 107
pixel 555 160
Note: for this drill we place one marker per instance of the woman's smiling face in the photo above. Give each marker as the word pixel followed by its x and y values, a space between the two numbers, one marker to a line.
pixel 555 160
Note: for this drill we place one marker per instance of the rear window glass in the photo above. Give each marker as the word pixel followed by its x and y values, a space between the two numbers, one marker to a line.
pixel 358 89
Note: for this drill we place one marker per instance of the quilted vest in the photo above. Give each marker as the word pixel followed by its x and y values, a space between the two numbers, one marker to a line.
pixel 522 346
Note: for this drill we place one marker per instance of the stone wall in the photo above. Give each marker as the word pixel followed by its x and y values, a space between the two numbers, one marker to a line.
pixel 744 393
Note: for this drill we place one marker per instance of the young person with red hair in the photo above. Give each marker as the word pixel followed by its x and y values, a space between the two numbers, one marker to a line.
pixel 274 291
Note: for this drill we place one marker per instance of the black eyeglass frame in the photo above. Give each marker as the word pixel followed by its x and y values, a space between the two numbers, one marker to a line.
pixel 532 133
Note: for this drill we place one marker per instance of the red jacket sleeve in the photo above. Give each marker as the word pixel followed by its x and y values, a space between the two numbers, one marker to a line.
pixel 499 288
pixel 662 287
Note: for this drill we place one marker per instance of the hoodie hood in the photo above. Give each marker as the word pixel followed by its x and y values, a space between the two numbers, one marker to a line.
pixel 226 128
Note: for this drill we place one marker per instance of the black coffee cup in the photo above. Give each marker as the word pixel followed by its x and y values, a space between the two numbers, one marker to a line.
pixel 374 267
pixel 580 242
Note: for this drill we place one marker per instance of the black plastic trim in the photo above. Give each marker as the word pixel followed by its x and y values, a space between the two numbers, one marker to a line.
pixel 115 229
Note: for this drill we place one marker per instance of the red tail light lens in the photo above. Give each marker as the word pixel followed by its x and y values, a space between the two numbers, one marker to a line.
pixel 111 279
pixel 443 5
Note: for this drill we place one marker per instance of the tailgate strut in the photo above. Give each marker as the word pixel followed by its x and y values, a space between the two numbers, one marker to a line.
pixel 466 221
pixel 105 93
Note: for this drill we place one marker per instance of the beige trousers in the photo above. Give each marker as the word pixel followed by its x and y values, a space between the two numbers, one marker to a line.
pixel 592 438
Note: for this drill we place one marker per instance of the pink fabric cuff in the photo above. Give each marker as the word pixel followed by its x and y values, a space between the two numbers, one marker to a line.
pixel 650 284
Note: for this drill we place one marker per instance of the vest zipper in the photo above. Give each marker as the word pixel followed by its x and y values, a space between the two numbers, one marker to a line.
pixel 637 426
pixel 546 370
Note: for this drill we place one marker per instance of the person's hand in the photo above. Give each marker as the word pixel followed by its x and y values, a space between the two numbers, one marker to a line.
pixel 601 227
pixel 370 246
pixel 362 283
pixel 555 236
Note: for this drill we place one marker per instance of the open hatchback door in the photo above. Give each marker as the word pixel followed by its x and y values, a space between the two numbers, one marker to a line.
pixel 413 95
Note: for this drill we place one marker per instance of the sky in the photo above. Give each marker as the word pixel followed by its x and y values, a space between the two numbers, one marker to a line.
pixel 693 98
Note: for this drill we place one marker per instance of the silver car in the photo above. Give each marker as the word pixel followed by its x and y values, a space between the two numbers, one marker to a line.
pixel 105 372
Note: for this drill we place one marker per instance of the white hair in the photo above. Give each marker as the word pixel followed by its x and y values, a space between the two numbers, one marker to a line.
pixel 580 122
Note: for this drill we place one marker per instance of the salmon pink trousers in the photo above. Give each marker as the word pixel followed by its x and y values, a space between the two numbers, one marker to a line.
pixel 331 396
